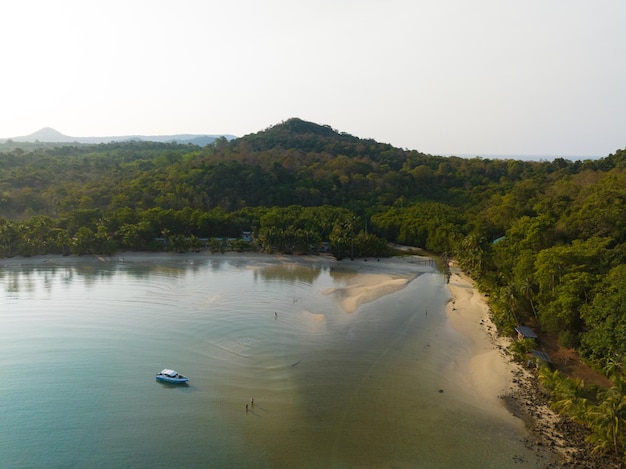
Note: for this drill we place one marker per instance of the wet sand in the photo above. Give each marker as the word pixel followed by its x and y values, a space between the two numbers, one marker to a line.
pixel 511 387
pixel 366 288
pixel 488 372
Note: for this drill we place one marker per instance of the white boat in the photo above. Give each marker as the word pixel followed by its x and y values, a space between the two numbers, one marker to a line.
pixel 171 376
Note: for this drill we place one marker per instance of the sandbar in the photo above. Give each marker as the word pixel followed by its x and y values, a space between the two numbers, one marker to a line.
pixel 365 288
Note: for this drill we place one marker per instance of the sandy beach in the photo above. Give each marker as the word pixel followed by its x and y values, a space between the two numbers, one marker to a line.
pixel 505 389
pixel 488 371
pixel 501 382
pixel 366 288
pixel 512 388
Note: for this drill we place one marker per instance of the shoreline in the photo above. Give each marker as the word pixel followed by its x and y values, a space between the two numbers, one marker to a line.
pixel 508 390
pixel 500 380
pixel 488 369
pixel 557 441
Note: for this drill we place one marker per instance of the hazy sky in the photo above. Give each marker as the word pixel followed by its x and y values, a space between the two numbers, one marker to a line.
pixel 480 77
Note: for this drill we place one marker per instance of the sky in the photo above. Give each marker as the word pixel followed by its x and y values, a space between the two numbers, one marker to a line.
pixel 464 77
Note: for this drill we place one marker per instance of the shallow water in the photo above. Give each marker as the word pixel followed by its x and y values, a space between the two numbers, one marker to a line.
pixel 82 343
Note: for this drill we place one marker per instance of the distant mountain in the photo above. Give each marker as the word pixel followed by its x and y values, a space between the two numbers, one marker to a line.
pixel 49 135
pixel 46 134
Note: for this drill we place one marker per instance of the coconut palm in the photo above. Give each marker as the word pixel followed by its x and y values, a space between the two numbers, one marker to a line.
pixel 608 419
pixel 528 288
pixel 570 399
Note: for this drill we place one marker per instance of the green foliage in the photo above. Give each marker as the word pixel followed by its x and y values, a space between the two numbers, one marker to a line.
pixel 607 419
pixel 566 276
pixel 473 253
pixel 600 207
pixel 603 412
pixel 604 338
pixel 293 163
pixel 432 225
pixel 521 348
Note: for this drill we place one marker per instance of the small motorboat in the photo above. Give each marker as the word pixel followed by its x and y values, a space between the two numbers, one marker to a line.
pixel 171 376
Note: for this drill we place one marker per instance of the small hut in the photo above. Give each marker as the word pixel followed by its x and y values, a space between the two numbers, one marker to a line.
pixel 524 332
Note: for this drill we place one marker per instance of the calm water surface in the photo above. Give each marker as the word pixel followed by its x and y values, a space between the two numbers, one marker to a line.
pixel 81 343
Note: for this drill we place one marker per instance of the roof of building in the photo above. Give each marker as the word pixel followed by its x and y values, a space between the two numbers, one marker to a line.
pixel 526 332
pixel 541 356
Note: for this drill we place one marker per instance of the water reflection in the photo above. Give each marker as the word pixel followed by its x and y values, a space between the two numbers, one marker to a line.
pixel 290 273
pixel 331 389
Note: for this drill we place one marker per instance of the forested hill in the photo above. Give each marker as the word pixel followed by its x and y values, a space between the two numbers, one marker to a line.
pixel 546 240
pixel 311 139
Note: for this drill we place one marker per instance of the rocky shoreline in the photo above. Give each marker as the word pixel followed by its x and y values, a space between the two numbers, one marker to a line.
pixel 556 439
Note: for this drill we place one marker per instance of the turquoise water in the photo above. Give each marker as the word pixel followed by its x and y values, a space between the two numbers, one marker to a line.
pixel 82 342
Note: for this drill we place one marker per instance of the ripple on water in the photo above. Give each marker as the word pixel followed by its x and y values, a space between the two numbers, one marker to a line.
pixel 82 346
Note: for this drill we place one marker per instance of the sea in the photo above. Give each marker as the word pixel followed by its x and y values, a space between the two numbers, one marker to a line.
pixel 537 157
pixel 281 375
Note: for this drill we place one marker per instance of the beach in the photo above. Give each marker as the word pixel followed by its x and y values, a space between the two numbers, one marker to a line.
pixel 488 371
pixel 504 390
pixel 505 384
pixel 513 388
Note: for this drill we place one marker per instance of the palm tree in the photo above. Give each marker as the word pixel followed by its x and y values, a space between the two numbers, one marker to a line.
pixel 507 293
pixel 471 254
pixel 612 364
pixel 608 419
pixel 528 288
pixel 569 400
pixel 549 378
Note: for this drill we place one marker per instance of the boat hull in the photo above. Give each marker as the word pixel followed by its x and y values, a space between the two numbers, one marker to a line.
pixel 166 379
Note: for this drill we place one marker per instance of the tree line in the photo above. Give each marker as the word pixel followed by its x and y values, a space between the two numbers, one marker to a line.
pixel 292 230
